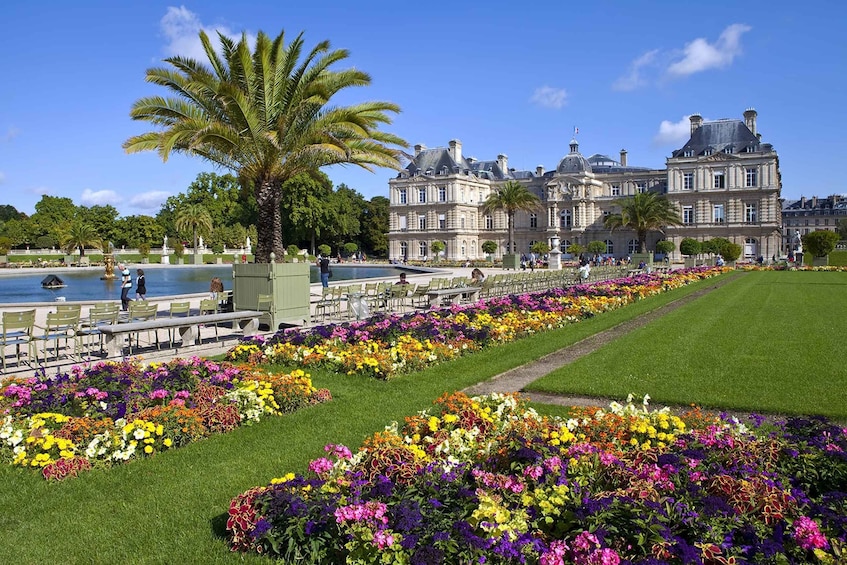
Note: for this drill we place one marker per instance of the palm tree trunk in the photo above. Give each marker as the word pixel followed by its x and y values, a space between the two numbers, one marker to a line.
pixel 512 247
pixel 195 240
pixel 268 196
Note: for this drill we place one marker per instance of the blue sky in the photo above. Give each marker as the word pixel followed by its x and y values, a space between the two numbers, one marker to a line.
pixel 502 77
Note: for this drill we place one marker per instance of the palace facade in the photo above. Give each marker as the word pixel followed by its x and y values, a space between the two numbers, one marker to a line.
pixel 724 181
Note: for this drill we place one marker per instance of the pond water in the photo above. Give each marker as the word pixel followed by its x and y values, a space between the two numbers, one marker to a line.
pixel 161 281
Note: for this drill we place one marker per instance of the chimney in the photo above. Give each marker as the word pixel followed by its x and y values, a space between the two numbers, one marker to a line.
pixel 814 202
pixel 455 150
pixel 623 157
pixel 418 148
pixel 750 119
pixel 539 171
pixel 802 202
pixel 503 161
pixel 696 122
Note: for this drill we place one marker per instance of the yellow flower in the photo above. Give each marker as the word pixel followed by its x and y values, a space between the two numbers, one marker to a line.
pixel 148 449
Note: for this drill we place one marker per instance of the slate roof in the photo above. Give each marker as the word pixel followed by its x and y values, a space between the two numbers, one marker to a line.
pixel 433 161
pixel 573 162
pixel 719 135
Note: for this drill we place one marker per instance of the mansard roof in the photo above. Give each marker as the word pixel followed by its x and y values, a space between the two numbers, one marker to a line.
pixel 489 170
pixel 434 161
pixel 573 162
pixel 719 136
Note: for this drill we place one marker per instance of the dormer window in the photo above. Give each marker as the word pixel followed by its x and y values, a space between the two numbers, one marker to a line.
pixel 444 170
pixel 749 149
pixel 688 153
pixel 728 150
pixel 708 151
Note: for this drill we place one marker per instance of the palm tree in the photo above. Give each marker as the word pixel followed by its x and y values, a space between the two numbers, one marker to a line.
pixel 265 115
pixel 78 235
pixel 643 212
pixel 193 218
pixel 510 198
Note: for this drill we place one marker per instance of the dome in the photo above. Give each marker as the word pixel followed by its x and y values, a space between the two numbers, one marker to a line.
pixel 574 162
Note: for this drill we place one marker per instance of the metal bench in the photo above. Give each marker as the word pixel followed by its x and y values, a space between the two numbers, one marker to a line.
pixel 454 295
pixel 187 327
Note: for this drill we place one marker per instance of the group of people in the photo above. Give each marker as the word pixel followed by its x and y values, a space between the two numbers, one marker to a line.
pixel 126 285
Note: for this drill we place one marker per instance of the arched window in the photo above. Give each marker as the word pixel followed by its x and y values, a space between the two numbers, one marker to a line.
pixel 565 219
pixel 632 246
pixel 464 249
pixel 610 247
pixel 564 244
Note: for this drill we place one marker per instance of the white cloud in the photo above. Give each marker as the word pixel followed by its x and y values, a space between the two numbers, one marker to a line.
pixel 673 133
pixel 152 200
pixel 181 28
pixel 700 55
pixel 634 79
pixel 99 198
pixel 549 97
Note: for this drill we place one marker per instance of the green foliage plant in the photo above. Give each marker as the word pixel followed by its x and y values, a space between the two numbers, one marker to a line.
pixel 820 243
pixel 324 249
pixel 489 247
pixel 665 246
pixel 511 198
pixel 643 212
pixel 596 247
pixel 541 248
pixel 689 246
pixel 576 248
pixel 144 249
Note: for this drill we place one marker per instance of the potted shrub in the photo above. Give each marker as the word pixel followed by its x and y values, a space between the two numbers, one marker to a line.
pixel 665 247
pixel 689 247
pixel 489 248
pixel 5 245
pixel 820 244
pixel 179 251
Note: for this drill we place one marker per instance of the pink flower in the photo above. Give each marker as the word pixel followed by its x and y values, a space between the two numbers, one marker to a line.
pixel 383 539
pixel 320 466
pixel 159 393
pixel 340 451
pixel 808 535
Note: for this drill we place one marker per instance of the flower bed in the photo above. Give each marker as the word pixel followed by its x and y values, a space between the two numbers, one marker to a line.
pixel 383 346
pixel 486 480
pixel 113 412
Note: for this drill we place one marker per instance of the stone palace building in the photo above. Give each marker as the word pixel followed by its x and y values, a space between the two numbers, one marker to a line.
pixel 724 181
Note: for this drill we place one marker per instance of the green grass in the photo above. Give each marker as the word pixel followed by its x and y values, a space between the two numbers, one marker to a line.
pixel 766 341
pixel 172 508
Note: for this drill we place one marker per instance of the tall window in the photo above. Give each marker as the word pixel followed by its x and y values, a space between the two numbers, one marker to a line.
pixel 718 214
pixel 402 221
pixel 462 221
pixel 640 187
pixel 719 180
pixel 422 195
pixel 464 252
pixel 565 219
pixel 632 246
pixel 688 214
pixel 442 221
pixel 421 222
pixel 750 213
pixel 442 194
pixel 422 249
pixel 489 222
pixel 533 220
pixel 404 250
pixel 688 181
pixel 616 189
pixel 751 177
pixel 610 246
pixel 564 244
pixel 403 196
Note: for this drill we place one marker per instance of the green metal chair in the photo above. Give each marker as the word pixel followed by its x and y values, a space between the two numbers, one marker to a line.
pixel 18 330
pixel 178 310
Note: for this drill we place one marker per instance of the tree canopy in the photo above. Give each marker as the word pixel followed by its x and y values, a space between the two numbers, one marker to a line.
pixel 265 114
pixel 643 212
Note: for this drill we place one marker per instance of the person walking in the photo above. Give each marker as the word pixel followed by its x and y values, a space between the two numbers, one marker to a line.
pixel 323 266
pixel 140 285
pixel 126 284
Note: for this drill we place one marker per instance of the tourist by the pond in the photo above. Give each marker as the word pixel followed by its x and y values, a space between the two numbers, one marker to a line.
pixel 323 266
pixel 476 276
pixel 126 284
pixel 215 287
pixel 402 279
pixel 140 285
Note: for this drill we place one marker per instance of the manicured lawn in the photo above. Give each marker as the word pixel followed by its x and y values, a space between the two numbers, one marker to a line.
pixel 172 508
pixel 767 342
